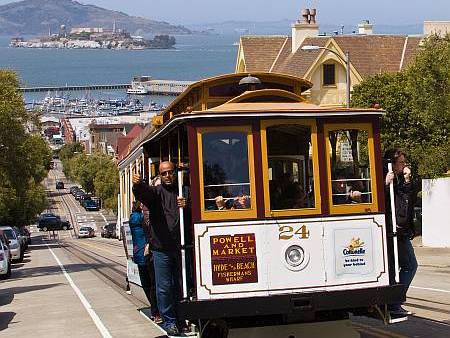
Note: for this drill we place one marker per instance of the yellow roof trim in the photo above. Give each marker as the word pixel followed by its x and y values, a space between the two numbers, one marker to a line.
pixel 210 81
pixel 266 92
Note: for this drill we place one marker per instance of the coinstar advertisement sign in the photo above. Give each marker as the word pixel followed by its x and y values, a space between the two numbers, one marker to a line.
pixel 353 255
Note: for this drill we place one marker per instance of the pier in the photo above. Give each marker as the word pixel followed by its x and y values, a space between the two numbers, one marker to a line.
pixel 74 88
pixel 155 87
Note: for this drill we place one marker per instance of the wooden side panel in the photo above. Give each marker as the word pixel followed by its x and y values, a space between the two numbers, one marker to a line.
pixel 194 172
pixel 379 165
pixel 322 168
pixel 258 170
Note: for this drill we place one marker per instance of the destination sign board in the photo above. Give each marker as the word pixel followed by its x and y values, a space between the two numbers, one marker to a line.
pixel 233 259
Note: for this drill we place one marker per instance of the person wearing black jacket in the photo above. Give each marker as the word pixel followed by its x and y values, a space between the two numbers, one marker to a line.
pixel 404 195
pixel 163 204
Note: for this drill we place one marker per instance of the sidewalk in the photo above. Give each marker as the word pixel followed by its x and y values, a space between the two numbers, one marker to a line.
pixel 39 301
pixel 433 257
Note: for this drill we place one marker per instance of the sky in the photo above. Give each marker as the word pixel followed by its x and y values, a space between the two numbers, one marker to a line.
pixel 386 12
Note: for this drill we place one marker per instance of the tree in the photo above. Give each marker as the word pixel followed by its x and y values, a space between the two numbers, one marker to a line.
pixel 97 173
pixel 24 157
pixel 417 104
pixel 106 184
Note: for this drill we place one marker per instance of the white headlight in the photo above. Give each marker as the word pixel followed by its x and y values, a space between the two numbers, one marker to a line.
pixel 295 255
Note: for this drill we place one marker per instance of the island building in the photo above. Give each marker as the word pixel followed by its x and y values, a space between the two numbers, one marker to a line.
pixel 369 54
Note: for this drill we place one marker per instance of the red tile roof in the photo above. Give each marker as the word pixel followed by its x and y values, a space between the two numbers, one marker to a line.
pixel 135 131
pixel 122 146
pixel 261 51
pixel 369 54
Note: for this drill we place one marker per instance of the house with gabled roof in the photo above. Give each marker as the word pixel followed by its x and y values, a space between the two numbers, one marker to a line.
pixel 369 54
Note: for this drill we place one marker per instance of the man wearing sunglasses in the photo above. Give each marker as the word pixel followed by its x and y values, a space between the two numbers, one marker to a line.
pixel 163 203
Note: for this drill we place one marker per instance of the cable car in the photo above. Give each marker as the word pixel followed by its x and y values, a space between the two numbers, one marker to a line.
pixel 286 221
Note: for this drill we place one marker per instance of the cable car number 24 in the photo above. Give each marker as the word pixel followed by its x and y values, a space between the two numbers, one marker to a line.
pixel 287 232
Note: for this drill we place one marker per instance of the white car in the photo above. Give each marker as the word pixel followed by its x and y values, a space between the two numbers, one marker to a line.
pixel 5 260
pixel 14 243
pixel 86 232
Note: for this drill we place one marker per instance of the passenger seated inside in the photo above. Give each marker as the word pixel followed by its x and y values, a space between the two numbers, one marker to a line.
pixel 345 191
pixel 223 203
pixel 241 202
pixel 226 175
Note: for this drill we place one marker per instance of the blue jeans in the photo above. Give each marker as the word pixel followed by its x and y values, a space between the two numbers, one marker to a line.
pixel 406 261
pixel 168 293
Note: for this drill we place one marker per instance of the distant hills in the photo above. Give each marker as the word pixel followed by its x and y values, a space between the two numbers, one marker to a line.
pixel 283 27
pixel 37 17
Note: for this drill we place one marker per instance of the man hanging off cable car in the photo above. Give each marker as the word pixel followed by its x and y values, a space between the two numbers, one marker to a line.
pixel 163 203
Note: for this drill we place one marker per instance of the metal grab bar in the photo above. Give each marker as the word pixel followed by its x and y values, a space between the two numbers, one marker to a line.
pixel 394 226
pixel 183 248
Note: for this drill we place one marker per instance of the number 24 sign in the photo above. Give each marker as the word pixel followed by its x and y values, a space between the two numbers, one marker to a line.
pixel 287 232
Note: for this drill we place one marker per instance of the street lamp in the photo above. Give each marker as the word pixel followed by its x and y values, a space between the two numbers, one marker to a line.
pixel 347 66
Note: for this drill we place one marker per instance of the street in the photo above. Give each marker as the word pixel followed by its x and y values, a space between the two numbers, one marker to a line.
pixel 76 287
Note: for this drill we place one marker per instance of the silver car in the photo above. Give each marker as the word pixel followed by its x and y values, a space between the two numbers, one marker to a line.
pixel 5 261
pixel 86 232
pixel 14 243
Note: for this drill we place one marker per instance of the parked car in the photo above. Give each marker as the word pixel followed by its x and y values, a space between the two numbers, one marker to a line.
pixel 22 238
pixel 59 185
pixel 5 261
pixel 26 233
pixel 14 243
pixel 109 231
pixel 84 197
pixel 90 205
pixel 78 194
pixel 86 232
pixel 49 222
pixel 73 189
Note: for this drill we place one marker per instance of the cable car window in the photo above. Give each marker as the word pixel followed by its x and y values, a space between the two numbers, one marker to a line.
pixel 226 181
pixel 290 167
pixel 350 166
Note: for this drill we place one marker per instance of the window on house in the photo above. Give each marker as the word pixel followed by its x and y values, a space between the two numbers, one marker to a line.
pixel 329 76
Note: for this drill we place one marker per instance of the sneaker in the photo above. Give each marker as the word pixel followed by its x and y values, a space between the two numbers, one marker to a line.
pixel 400 311
pixel 172 331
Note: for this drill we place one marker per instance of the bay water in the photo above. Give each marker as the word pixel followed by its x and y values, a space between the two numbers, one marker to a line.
pixel 195 57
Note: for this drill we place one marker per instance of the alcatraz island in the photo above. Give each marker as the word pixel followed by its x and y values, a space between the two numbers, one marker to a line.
pixel 95 38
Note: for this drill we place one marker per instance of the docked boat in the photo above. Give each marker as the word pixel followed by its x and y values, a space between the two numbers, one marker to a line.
pixel 138 90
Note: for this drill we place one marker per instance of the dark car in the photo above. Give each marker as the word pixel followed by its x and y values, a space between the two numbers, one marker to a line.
pixel 73 189
pixel 59 185
pixel 78 194
pixel 84 197
pixel 109 231
pixel 52 222
pixel 26 233
pixel 90 205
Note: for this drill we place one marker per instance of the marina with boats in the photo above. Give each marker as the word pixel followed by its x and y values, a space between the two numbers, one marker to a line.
pixel 53 103
pixel 143 94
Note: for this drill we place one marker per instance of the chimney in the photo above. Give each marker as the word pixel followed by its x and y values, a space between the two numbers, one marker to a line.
pixel 304 28
pixel 365 28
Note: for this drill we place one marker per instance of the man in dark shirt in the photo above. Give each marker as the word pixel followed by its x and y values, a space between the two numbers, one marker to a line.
pixel 163 204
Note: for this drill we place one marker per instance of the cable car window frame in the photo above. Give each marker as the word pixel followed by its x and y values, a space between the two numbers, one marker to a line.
pixel 211 215
pixel 265 168
pixel 357 208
